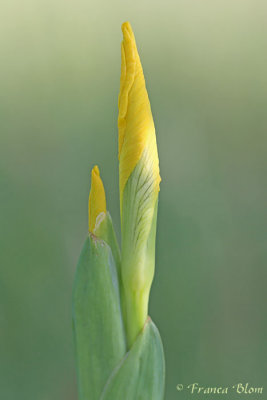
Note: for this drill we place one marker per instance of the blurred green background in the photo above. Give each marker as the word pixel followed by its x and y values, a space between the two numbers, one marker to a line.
pixel 205 64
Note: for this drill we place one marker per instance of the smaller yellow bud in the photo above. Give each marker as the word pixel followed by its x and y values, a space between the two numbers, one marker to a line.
pixel 97 200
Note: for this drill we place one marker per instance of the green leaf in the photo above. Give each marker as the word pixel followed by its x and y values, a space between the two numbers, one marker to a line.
pixel 141 374
pixel 97 320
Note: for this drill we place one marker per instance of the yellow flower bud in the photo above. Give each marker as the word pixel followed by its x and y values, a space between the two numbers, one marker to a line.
pixel 97 200
pixel 135 121
pixel 139 186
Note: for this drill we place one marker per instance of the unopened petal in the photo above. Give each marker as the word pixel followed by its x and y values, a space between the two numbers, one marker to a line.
pixel 135 121
pixel 97 199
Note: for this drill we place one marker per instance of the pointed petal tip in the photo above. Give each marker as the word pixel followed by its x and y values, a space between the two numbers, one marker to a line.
pixel 95 171
pixel 126 26
pixel 128 42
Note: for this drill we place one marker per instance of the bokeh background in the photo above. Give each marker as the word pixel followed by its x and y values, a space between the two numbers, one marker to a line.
pixel 205 64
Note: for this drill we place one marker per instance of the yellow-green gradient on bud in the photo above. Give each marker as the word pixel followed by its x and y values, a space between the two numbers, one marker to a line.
pixel 97 200
pixel 139 187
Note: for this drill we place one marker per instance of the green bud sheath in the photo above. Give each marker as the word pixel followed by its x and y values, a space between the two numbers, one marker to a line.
pixel 97 319
pixel 106 232
pixel 141 373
